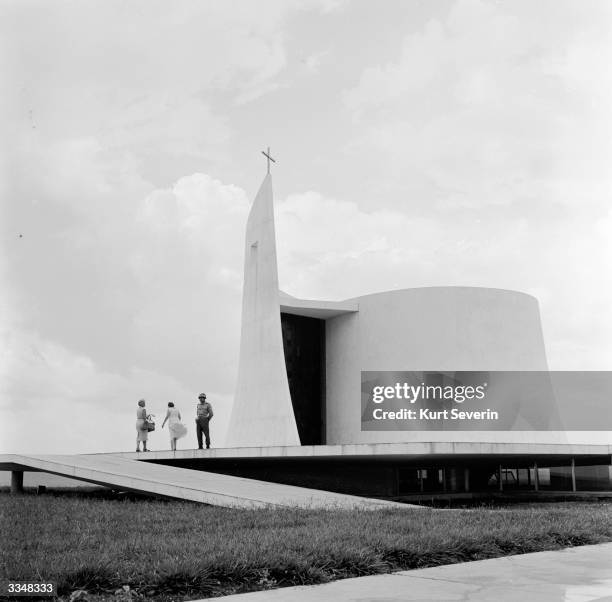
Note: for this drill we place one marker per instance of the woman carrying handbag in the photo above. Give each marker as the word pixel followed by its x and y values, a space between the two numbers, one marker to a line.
pixel 142 431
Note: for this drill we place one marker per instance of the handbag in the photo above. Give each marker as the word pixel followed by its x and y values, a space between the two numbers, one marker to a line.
pixel 149 423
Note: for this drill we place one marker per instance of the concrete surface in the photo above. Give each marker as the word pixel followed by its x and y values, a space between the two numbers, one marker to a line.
pixel 194 485
pixel 441 329
pixel 412 451
pixel 580 574
pixel 262 413
pixel 310 308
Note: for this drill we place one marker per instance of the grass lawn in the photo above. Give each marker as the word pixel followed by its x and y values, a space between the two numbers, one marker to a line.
pixel 179 550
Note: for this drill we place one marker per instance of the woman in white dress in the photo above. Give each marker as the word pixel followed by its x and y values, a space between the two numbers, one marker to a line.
pixel 175 426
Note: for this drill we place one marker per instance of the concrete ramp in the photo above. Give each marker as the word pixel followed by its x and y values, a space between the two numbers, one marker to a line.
pixel 197 486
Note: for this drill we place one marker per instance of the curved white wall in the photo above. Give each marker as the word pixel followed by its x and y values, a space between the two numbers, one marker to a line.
pixel 430 329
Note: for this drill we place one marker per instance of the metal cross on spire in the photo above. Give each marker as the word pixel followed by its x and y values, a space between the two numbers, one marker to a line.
pixel 269 157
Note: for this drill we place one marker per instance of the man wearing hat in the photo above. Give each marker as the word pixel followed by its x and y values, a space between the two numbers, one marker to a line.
pixel 204 413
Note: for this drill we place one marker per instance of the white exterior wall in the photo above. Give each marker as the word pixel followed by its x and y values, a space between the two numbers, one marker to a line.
pixel 429 329
pixel 262 414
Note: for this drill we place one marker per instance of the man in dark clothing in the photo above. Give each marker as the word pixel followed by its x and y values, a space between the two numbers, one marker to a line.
pixel 204 413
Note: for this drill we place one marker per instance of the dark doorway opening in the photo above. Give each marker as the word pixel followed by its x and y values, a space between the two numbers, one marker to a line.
pixel 304 346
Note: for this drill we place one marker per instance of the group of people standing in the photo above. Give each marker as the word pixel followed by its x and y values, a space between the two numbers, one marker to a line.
pixel 176 428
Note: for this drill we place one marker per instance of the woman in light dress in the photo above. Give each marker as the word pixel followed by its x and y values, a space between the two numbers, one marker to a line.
pixel 141 426
pixel 175 426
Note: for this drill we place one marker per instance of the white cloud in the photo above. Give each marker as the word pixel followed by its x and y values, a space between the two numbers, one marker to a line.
pixel 489 106
pixel 314 61
pixel 146 87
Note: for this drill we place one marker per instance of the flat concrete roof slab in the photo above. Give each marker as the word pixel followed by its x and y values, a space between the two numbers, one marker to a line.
pixel 389 451
pixel 310 308
pixel 570 575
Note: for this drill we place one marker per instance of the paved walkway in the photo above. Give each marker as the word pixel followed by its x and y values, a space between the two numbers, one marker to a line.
pixel 194 485
pixel 582 574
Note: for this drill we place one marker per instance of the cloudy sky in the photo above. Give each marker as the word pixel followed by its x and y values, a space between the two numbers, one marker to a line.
pixel 445 142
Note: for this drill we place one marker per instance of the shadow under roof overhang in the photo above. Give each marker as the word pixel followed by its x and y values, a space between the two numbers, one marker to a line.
pixel 413 453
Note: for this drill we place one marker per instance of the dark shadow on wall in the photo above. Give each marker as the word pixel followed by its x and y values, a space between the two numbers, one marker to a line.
pixel 304 346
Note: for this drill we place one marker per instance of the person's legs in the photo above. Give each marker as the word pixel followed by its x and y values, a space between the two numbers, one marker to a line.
pixel 199 433
pixel 206 433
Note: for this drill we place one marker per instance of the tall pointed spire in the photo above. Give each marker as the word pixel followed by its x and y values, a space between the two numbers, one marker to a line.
pixel 262 413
